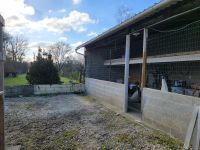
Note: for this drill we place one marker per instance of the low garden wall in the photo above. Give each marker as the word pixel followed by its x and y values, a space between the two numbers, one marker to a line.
pixel 56 89
pixel 28 90
pixel 167 111
pixel 25 90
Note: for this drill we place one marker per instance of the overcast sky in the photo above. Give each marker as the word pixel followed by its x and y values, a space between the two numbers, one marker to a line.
pixel 43 22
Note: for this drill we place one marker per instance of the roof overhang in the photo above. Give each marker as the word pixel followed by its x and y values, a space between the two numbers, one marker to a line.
pixel 142 15
pixel 2 21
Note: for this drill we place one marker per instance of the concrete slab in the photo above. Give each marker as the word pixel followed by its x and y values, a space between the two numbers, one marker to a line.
pixel 169 112
pixel 18 147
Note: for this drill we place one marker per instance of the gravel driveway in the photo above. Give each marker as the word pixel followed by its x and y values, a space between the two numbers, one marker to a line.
pixel 75 122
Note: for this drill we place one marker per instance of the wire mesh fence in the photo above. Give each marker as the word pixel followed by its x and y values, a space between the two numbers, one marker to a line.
pixel 174 41
pixel 99 65
pixel 182 73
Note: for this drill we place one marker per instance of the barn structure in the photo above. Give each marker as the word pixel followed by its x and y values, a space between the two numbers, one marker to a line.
pixel 2 57
pixel 162 43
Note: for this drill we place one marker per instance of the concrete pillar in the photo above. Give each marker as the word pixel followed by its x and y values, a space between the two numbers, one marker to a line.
pixel 126 71
pixel 143 78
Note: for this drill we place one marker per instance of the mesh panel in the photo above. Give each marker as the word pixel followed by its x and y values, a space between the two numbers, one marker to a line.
pixel 185 40
pixel 97 57
pixel 182 76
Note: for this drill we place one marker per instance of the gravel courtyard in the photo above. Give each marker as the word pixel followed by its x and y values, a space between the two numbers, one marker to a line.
pixel 67 122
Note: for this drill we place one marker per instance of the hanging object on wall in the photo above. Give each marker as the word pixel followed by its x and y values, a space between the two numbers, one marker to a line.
pixel 164 87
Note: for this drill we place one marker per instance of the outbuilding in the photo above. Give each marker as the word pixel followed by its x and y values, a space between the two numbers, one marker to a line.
pixel 158 47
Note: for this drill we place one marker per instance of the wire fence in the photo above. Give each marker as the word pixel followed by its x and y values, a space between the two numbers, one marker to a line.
pixel 99 65
pixel 185 39
pixel 182 74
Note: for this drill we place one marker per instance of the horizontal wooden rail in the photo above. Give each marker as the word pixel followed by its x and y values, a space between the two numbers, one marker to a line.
pixel 176 57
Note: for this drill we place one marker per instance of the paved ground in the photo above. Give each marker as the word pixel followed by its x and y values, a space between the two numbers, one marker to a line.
pixel 75 122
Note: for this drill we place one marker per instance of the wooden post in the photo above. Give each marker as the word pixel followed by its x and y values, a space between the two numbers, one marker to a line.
pixel 2 140
pixel 126 74
pixel 143 78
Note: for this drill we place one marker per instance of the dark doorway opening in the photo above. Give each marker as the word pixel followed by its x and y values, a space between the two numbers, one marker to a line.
pixel 134 92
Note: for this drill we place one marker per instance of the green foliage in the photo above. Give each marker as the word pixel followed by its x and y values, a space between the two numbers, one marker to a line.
pixel 43 71
pixel 167 141
pixel 21 80
pixel 74 75
pixel 70 134
pixel 124 138
pixel 66 80
pixel 104 147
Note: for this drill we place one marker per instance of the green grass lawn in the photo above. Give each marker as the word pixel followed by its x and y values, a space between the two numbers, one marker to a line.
pixel 21 80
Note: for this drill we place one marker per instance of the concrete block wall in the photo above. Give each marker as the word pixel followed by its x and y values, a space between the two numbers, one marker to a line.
pixel 25 90
pixel 168 112
pixel 56 89
pixel 109 92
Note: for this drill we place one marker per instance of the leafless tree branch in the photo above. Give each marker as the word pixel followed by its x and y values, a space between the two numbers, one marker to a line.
pixel 60 53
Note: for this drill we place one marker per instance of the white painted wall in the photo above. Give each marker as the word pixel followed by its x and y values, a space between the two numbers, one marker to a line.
pixel 169 112
pixel 108 92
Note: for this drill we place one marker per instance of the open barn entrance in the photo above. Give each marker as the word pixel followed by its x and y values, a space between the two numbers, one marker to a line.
pixel 135 72
pixel 134 91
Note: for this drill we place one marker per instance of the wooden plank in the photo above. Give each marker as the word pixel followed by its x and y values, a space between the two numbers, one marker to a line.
pixel 191 128
pixel 181 57
pixel 144 60
pixel 2 140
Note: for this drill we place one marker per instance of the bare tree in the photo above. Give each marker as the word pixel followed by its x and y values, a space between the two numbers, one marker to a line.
pixel 123 13
pixel 16 48
pixel 79 62
pixel 60 53
pixel 6 41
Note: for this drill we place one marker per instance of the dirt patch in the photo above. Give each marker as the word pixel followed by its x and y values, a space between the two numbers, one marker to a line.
pixel 72 122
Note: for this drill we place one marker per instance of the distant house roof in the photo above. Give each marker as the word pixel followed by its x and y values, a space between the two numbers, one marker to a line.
pixel 2 22
pixel 142 15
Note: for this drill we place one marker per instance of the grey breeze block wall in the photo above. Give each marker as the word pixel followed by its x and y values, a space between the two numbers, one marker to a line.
pixel 28 90
pixel 109 92
pixel 168 112
pixel 56 89
pixel 25 90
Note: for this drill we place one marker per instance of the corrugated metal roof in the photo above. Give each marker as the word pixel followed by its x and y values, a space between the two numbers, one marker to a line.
pixel 142 15
pixel 2 22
